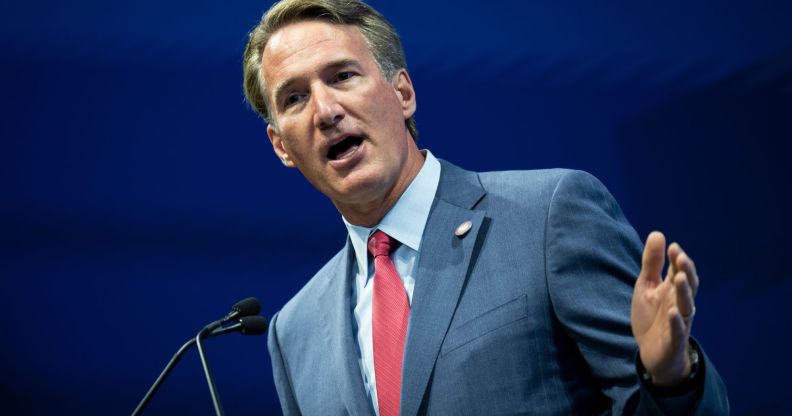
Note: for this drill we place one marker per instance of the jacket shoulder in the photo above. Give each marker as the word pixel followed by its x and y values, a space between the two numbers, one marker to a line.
pixel 534 179
pixel 534 185
pixel 304 307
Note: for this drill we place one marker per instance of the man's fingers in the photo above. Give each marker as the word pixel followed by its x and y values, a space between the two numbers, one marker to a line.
pixel 685 264
pixel 653 258
pixel 684 298
pixel 679 328
pixel 673 253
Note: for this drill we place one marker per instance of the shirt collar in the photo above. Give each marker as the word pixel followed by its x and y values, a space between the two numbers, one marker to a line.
pixel 406 220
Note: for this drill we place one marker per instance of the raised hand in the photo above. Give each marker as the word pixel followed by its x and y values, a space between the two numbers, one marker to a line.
pixel 663 310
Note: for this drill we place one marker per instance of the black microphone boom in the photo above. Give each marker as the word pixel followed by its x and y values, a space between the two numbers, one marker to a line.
pixel 168 368
pixel 246 325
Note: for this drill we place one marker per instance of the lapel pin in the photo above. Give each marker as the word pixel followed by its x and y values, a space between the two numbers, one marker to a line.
pixel 463 228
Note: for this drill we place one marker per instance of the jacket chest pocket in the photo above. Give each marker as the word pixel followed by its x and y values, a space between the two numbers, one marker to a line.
pixel 485 324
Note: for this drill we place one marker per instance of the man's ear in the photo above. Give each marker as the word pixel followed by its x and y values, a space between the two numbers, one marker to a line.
pixel 279 147
pixel 405 92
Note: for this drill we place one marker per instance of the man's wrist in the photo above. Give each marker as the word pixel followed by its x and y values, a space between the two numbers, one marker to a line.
pixel 685 385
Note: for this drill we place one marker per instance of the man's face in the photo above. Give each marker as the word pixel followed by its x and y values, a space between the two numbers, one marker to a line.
pixel 338 119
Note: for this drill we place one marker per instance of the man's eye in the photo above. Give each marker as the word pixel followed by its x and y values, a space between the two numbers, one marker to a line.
pixel 292 99
pixel 343 76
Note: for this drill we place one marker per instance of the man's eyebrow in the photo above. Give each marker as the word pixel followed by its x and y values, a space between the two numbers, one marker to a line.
pixel 284 86
pixel 340 63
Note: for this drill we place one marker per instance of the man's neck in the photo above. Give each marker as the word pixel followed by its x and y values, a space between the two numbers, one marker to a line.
pixel 370 213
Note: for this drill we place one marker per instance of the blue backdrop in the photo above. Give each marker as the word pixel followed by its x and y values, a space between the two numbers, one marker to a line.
pixel 140 197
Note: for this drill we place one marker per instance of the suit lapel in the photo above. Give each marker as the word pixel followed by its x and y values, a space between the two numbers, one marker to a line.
pixel 337 320
pixel 442 270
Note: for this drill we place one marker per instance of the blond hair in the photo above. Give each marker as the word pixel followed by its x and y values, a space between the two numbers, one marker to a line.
pixel 381 38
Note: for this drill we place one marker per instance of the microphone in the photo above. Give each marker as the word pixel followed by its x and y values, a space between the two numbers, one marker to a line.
pixel 246 325
pixel 245 307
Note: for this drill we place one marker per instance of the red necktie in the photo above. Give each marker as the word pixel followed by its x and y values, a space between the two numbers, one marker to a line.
pixel 390 315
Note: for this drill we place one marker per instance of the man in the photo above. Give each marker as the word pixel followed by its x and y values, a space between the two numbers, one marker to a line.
pixel 456 292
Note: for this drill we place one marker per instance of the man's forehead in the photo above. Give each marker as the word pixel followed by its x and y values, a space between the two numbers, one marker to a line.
pixel 298 36
pixel 308 45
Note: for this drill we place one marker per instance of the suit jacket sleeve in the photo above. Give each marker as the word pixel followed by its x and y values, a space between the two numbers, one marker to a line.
pixel 593 258
pixel 280 372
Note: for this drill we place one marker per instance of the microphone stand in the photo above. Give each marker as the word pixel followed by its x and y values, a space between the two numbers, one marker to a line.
pixel 209 380
pixel 212 329
pixel 249 323
pixel 171 364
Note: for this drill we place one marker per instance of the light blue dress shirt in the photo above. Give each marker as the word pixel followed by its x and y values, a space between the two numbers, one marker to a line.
pixel 405 222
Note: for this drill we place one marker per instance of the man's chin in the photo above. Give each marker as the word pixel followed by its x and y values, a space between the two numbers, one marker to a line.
pixel 359 188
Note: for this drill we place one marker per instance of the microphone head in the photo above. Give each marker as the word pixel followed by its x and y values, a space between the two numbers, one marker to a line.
pixel 253 325
pixel 246 307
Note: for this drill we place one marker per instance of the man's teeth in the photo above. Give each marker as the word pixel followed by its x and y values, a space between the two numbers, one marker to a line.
pixel 347 152
pixel 344 148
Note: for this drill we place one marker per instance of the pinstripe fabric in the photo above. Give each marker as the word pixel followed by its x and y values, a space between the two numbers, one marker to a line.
pixel 528 313
pixel 390 315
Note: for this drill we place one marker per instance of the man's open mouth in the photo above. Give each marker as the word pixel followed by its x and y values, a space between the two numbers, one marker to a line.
pixel 344 148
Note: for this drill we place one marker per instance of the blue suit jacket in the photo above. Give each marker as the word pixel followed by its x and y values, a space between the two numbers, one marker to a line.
pixel 528 313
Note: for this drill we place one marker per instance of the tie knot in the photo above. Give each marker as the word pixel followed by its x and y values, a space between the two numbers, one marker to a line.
pixel 381 244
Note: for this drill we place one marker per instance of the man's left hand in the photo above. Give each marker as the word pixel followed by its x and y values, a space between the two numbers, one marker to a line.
pixel 662 311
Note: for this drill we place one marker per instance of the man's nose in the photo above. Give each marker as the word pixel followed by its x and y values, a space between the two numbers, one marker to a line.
pixel 328 111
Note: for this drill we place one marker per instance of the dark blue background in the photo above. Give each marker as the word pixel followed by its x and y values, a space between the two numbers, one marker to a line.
pixel 140 197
